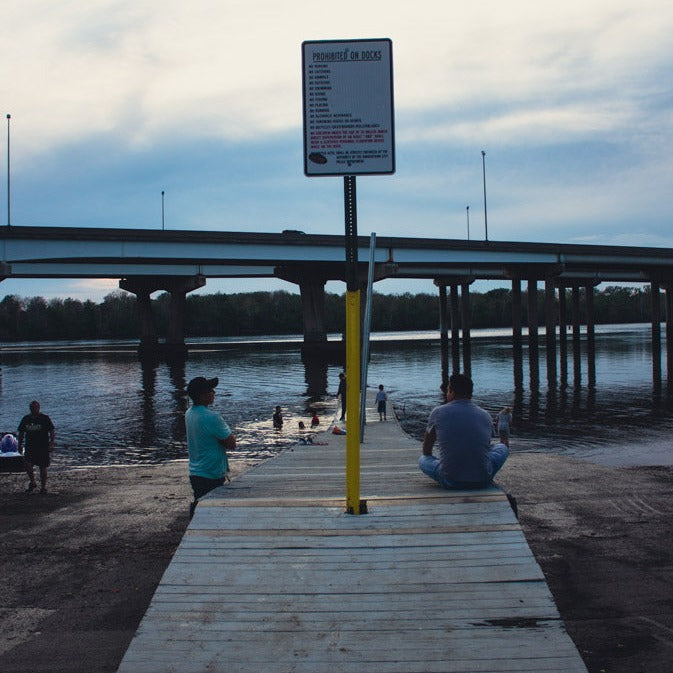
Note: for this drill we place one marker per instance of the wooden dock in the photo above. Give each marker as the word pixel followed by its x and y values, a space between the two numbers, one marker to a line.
pixel 273 577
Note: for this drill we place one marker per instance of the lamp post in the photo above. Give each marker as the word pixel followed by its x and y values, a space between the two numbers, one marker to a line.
pixel 9 218
pixel 162 210
pixel 483 172
pixel 467 210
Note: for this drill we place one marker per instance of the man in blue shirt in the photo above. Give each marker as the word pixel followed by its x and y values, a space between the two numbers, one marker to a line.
pixel 208 440
pixel 463 432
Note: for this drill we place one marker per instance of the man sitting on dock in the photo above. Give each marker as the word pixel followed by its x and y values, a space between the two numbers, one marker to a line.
pixel 463 432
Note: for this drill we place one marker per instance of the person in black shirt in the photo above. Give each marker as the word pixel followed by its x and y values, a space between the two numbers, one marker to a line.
pixel 38 431
pixel 278 419
pixel 341 392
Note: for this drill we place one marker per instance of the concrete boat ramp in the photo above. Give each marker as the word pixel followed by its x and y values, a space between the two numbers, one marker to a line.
pixel 273 577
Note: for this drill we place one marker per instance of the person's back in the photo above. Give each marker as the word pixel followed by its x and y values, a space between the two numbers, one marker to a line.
pixel 206 457
pixel 381 399
pixel 462 431
pixel 464 438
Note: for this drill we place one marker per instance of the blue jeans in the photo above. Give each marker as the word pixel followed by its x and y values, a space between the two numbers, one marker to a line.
pixel 496 457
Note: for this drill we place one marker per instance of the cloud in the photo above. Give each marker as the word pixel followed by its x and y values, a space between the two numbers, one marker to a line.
pixel 115 101
pixel 231 70
pixel 530 123
pixel 86 288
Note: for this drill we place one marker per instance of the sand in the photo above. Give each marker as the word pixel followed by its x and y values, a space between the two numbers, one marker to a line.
pixel 80 564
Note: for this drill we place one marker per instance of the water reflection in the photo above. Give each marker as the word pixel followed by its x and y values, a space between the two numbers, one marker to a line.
pixel 178 380
pixel 148 390
pixel 108 407
pixel 315 375
pixel 623 406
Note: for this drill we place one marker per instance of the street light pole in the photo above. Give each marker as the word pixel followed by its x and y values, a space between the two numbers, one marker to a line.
pixel 9 218
pixel 162 210
pixel 483 172
pixel 467 209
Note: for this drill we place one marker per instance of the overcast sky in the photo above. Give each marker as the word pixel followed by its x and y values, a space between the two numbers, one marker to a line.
pixel 113 102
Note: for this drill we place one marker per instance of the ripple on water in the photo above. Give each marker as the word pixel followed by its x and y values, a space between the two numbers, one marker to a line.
pixel 109 408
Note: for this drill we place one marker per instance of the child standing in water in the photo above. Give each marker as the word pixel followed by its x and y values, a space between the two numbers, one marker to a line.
pixel 278 419
pixel 381 399
pixel 504 419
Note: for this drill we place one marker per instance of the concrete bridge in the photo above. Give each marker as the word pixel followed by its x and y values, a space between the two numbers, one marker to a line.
pixel 180 261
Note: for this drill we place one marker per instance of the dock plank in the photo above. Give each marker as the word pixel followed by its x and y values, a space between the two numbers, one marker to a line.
pixel 273 577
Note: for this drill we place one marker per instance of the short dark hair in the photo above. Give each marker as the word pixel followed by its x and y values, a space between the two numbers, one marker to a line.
pixel 461 385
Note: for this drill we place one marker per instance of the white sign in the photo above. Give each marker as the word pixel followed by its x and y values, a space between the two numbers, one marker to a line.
pixel 348 107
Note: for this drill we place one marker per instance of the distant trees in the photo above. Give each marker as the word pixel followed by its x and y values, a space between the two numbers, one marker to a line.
pixel 257 313
pixel 404 312
pixel 624 304
pixel 58 319
pixel 241 314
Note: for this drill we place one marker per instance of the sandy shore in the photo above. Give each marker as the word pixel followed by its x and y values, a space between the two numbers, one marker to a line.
pixel 80 564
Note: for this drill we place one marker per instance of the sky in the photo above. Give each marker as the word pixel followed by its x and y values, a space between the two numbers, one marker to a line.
pixel 114 101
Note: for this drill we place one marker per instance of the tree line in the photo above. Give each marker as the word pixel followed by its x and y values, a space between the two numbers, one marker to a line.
pixel 279 312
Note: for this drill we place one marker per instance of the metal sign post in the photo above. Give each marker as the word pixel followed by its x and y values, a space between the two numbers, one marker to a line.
pixel 353 503
pixel 349 131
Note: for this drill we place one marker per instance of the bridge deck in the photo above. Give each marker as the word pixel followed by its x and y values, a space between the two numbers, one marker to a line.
pixel 272 576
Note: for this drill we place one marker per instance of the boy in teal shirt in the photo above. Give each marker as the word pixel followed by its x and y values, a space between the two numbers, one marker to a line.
pixel 208 440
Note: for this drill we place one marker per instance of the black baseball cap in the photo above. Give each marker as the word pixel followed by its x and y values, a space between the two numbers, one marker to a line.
pixel 199 385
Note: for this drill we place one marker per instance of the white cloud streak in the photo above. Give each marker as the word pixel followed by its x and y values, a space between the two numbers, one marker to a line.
pixel 231 69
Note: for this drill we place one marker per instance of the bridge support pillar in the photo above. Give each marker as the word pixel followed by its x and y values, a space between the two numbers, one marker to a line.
pixel 577 363
pixel 563 335
pixel 533 336
pixel 174 347
pixel 312 293
pixel 444 335
pixel 459 315
pixel 517 347
pixel 314 322
pixel 656 334
pixel 149 338
pixel 576 319
pixel 550 331
pixel 455 330
pixel 466 322
pixel 591 334
pixel 669 337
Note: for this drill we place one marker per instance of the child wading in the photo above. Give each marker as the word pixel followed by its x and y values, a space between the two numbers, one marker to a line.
pixel 381 399
pixel 504 419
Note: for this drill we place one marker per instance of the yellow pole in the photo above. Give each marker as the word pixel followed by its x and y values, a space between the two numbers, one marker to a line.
pixel 353 402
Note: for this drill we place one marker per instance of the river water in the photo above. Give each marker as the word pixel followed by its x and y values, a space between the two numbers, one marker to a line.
pixel 108 408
